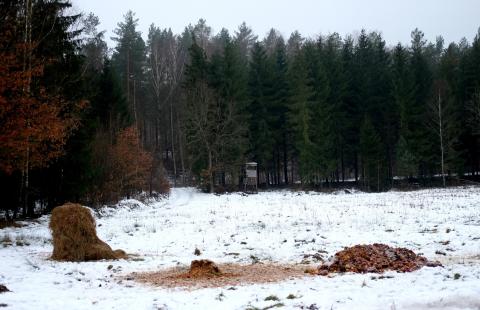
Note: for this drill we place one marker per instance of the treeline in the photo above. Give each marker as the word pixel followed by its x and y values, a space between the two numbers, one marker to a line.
pixel 82 122
pixel 309 111
pixel 331 109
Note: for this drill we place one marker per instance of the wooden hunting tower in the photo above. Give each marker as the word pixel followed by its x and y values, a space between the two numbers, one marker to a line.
pixel 250 178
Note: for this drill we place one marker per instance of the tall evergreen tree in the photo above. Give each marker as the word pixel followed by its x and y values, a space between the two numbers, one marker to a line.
pixel 300 117
pixel 129 62
pixel 331 55
pixel 323 136
pixel 278 110
pixel 422 79
pixel 402 93
pixel 260 82
pixel 470 138
pixel 245 39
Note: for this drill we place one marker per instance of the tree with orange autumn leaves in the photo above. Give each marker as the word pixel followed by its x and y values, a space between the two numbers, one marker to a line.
pixel 34 125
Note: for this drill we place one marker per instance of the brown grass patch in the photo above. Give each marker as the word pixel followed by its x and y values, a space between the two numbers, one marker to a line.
pixel 223 275
pixel 75 236
pixel 13 224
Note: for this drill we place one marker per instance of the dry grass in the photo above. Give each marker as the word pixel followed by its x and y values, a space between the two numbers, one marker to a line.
pixel 13 224
pixel 75 237
pixel 227 275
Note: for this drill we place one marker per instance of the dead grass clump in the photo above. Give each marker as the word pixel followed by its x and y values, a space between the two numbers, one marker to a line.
pixel 375 258
pixel 75 237
pixel 218 276
pixel 10 223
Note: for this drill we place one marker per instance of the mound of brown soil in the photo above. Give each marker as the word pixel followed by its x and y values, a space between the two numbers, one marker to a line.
pixel 75 236
pixel 203 268
pixel 3 289
pixel 375 258
pixel 203 274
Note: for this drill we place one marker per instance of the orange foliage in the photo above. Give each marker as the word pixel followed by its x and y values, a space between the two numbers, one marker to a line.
pixel 126 168
pixel 131 164
pixel 34 124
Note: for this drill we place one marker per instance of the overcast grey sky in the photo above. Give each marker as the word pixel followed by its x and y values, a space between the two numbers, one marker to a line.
pixel 453 19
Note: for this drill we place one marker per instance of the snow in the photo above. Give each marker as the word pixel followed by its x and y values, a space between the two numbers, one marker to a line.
pixel 277 226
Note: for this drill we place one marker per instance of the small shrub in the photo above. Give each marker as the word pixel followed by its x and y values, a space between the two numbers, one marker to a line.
pixel 21 241
pixel 272 298
pixel 220 296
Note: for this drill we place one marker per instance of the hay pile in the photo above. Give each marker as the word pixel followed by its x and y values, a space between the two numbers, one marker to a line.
pixel 75 237
pixel 375 258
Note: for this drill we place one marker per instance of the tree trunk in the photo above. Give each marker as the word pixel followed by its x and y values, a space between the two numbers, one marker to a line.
pixel 210 172
pixel 135 119
pixel 356 166
pixel 285 160
pixel 278 170
pixel 173 146
pixel 378 177
pixel 128 78
pixel 440 129
pixel 27 62
pixel 180 148
pixel 156 133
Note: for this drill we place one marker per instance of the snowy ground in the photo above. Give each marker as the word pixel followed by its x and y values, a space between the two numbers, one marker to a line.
pixel 271 226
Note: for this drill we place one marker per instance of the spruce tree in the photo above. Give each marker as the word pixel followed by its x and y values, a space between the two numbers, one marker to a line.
pixel 323 135
pixel 372 157
pixel 300 117
pixel 422 79
pixel 259 93
pixel 402 93
pixel 129 62
pixel 278 110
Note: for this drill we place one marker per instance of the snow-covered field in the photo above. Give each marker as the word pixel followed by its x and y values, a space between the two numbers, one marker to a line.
pixel 280 226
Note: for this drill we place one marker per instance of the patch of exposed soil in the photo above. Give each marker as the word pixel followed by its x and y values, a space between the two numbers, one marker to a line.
pixel 375 258
pixel 206 274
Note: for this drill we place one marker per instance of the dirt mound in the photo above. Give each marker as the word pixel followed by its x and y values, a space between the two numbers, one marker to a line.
pixel 375 258
pixel 203 268
pixel 203 274
pixel 75 237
